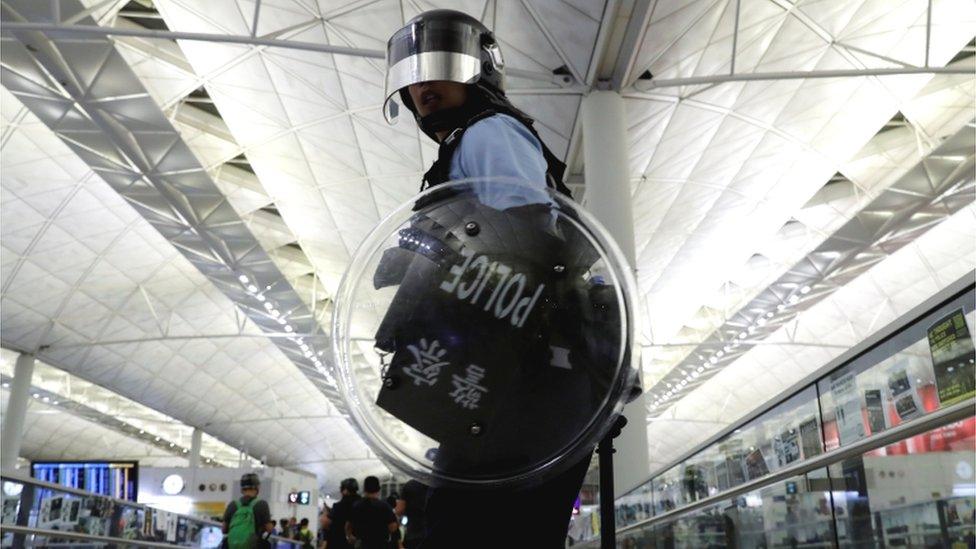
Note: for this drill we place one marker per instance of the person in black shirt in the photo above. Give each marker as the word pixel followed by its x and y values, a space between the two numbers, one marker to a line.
pixel 250 485
pixel 411 505
pixel 372 520
pixel 349 488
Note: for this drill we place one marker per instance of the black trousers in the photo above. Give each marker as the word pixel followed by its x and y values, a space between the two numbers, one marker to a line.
pixel 531 518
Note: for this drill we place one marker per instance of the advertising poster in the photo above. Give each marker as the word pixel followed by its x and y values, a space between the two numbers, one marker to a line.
pixel 756 464
pixel 810 438
pixel 788 446
pixel 847 406
pixel 734 467
pixel 903 393
pixel 952 358
pixel 875 406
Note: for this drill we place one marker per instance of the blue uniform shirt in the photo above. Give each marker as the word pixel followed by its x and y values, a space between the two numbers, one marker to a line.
pixel 500 148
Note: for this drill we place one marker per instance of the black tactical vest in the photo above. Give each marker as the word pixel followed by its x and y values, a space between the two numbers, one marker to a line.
pixel 440 171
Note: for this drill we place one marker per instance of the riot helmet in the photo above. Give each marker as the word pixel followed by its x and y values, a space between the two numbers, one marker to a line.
pixel 440 45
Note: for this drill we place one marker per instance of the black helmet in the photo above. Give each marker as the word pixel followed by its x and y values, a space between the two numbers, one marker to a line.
pixel 250 480
pixel 349 485
pixel 441 45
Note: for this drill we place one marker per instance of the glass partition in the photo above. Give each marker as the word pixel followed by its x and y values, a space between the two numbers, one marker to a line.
pixel 918 492
pixel 928 365
pixel 43 506
pixel 792 513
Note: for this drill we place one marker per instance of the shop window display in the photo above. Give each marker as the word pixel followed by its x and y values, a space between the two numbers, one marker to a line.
pixel 915 493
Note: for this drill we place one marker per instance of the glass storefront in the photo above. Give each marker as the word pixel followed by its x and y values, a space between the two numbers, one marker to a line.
pixel 916 492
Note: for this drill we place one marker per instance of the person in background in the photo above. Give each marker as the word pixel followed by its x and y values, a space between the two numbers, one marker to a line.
pixel 324 523
pixel 411 505
pixel 396 537
pixel 349 488
pixel 372 520
pixel 246 520
pixel 305 536
pixel 283 533
pixel 292 528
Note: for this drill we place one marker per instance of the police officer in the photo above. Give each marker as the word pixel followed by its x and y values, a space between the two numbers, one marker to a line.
pixel 446 68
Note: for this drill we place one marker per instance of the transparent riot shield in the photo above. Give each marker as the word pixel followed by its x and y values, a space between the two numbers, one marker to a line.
pixel 482 334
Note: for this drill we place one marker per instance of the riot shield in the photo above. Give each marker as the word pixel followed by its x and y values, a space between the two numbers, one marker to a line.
pixel 482 334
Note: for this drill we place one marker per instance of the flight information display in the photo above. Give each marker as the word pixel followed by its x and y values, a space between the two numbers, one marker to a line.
pixel 117 479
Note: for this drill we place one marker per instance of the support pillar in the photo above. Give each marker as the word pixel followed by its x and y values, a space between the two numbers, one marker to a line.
pixel 608 198
pixel 16 412
pixel 195 444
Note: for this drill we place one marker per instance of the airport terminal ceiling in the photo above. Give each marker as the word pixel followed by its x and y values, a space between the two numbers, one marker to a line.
pixel 744 193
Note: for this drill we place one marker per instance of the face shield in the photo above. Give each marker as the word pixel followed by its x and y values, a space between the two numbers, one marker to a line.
pixel 430 49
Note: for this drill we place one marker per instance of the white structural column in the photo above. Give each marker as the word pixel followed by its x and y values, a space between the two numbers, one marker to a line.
pixel 16 412
pixel 608 199
pixel 195 443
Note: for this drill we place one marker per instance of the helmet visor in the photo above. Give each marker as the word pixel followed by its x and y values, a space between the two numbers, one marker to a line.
pixel 430 50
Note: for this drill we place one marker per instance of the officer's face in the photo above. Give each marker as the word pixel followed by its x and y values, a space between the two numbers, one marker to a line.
pixel 433 96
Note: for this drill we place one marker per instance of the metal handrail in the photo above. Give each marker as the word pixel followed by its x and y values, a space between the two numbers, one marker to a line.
pixel 31 531
pixel 938 418
pixel 13 476
pixel 27 530
pixel 951 293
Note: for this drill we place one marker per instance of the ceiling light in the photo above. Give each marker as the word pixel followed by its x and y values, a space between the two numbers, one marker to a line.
pixel 288 328
pixel 742 335
pixel 46 399
pixel 141 432
pixel 780 307
pixel 37 395
pixel 157 439
pixel 260 297
pixel 700 369
pixel 275 313
pixel 713 360
pixel 243 279
pixel 769 314
pixel 720 354
pixel 268 306
pixel 5 384
pixel 805 290
pixel 55 402
pixel 252 288
pixel 282 321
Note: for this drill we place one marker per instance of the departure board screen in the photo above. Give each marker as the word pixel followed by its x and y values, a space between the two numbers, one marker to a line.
pixel 117 479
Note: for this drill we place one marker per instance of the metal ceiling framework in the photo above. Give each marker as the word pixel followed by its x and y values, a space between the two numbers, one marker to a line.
pixel 936 188
pixel 53 432
pixel 82 88
pixel 58 388
pixel 87 94
pixel 110 421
